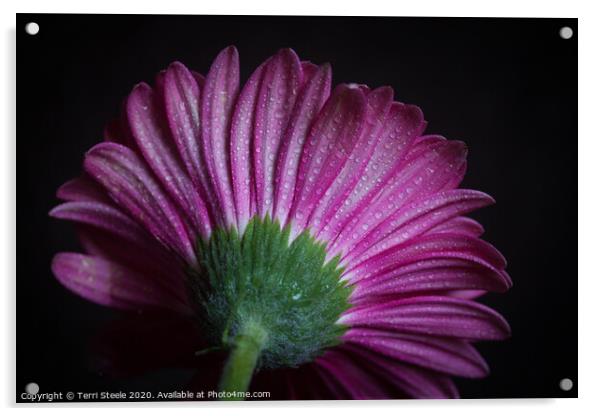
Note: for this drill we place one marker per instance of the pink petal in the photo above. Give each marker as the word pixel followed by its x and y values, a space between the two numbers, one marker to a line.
pixel 109 284
pixel 431 315
pixel 466 294
pixel 181 99
pixel 410 221
pixel 450 356
pixel 419 176
pixel 83 188
pixel 130 183
pixel 417 383
pixel 358 383
pixel 378 104
pixel 402 125
pixel 103 216
pixel 460 225
pixel 241 154
pixel 199 78
pixel 144 258
pixel 219 95
pixel 121 231
pixel 309 70
pixel 331 141
pixel 277 94
pixel 310 100
pixel 158 150
pixel 429 247
pixel 434 275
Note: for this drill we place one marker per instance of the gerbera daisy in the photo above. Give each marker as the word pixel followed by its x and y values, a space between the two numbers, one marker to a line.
pixel 314 235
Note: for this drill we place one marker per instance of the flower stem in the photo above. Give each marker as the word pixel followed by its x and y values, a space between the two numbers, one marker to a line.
pixel 239 368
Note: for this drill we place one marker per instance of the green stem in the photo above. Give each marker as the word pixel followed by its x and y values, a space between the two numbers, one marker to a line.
pixel 239 369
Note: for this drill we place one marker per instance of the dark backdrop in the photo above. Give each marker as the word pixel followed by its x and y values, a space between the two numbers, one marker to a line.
pixel 507 87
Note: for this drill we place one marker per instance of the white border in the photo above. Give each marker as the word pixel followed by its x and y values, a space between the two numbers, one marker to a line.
pixel 590 162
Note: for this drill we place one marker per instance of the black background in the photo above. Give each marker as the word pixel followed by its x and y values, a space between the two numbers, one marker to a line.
pixel 507 87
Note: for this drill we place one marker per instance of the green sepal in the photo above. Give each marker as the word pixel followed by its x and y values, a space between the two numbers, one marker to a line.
pixel 285 287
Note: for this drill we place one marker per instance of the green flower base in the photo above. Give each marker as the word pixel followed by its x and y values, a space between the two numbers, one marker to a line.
pixel 272 302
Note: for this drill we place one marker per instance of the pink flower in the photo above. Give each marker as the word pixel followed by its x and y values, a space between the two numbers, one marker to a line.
pixel 316 235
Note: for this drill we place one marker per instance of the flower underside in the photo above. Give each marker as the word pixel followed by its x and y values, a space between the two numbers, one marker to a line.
pixel 235 205
pixel 280 293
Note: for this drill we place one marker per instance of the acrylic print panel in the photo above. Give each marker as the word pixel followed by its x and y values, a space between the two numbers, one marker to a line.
pixel 221 207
